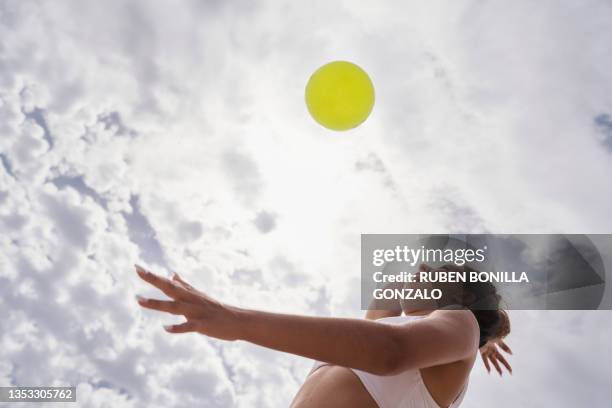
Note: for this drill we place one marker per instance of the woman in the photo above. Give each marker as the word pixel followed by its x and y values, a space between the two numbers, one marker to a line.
pixel 422 359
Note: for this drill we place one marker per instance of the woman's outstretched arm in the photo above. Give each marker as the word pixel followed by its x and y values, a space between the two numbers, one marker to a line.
pixel 366 345
pixel 382 349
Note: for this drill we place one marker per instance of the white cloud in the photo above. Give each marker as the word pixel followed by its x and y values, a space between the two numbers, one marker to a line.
pixel 177 134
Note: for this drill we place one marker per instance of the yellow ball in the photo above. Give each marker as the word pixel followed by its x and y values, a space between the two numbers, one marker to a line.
pixel 340 95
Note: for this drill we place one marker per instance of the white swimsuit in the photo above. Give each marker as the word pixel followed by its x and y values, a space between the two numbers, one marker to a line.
pixel 404 390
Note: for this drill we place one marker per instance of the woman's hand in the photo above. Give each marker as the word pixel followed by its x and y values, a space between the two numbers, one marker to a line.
pixel 490 355
pixel 204 314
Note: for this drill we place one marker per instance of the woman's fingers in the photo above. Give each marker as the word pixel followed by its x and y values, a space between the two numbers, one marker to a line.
pixel 491 356
pixel 177 278
pixel 170 288
pixel 188 326
pixel 504 346
pixel 485 360
pixel 169 306
pixel 496 365
pixel 504 362
pixel 161 283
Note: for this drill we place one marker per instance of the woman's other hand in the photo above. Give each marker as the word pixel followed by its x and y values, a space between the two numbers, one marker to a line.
pixel 491 355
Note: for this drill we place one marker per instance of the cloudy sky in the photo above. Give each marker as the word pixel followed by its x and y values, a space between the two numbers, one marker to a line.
pixel 175 134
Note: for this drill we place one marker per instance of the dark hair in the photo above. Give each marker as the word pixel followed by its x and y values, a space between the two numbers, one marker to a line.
pixel 494 324
pixel 484 302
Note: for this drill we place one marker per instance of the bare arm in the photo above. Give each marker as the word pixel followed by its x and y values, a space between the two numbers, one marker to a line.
pixel 382 349
pixel 379 314
pixel 354 343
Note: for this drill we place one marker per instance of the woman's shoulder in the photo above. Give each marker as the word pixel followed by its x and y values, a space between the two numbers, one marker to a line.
pixel 455 313
pixel 459 316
